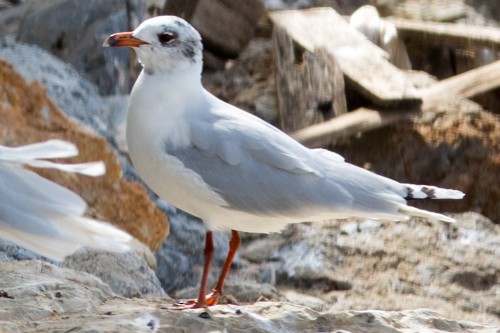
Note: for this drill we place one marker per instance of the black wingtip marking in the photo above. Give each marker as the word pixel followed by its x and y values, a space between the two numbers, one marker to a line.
pixel 409 193
pixel 430 192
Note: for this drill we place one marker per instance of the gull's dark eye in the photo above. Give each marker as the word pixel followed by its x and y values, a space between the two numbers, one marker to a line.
pixel 167 37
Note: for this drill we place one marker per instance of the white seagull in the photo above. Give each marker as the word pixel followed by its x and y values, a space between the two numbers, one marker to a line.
pixel 230 168
pixel 43 216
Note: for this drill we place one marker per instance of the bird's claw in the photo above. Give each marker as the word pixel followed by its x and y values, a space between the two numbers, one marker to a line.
pixel 210 300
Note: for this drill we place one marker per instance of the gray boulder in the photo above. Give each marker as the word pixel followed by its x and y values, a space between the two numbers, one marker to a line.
pixel 76 96
pixel 74 30
pixel 127 273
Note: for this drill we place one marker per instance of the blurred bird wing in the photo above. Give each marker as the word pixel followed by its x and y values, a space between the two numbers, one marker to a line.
pixel 93 169
pixel 46 149
pixel 72 234
pixel 46 217
pixel 32 153
pixel 19 187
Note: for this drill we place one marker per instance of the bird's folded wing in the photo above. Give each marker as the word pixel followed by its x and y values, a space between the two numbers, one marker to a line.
pixel 233 133
pixel 250 164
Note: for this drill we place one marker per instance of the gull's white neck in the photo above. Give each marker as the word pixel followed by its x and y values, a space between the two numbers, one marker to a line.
pixel 174 89
pixel 159 105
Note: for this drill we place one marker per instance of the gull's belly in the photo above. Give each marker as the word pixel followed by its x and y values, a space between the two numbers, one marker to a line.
pixel 173 182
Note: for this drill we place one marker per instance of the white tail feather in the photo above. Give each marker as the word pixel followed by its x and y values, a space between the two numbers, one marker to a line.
pixel 412 211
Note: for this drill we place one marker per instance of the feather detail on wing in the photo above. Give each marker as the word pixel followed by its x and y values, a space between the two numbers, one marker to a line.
pixel 262 141
pixel 328 155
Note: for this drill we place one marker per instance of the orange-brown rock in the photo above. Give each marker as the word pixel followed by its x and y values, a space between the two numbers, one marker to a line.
pixel 28 115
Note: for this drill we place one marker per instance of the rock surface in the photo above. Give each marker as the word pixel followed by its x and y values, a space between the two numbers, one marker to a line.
pixel 74 95
pixel 127 274
pixel 365 264
pixel 39 297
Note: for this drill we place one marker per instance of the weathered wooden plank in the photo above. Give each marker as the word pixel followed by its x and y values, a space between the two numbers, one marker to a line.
pixel 364 64
pixel 431 10
pixel 465 85
pixel 360 120
pixel 310 86
pixel 448 34
pixel 225 25
pixel 462 86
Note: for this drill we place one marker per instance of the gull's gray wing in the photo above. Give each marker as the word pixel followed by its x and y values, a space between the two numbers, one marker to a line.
pixel 258 169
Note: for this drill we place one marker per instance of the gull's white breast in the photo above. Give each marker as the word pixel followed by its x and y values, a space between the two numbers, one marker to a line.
pixel 157 119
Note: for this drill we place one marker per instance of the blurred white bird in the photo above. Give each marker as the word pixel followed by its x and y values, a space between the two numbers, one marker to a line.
pixel 382 33
pixel 230 168
pixel 44 216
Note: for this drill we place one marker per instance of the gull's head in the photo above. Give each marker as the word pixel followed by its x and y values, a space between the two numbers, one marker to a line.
pixel 162 43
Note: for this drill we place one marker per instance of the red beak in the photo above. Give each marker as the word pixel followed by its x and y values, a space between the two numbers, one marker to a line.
pixel 123 39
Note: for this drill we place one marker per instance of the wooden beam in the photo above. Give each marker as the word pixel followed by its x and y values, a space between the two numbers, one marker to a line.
pixel 448 34
pixel 364 64
pixel 310 86
pixel 360 120
pixel 435 10
pixel 465 85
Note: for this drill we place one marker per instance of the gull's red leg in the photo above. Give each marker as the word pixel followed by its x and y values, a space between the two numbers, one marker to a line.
pixel 212 298
pixel 234 244
pixel 209 254
pixel 201 302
